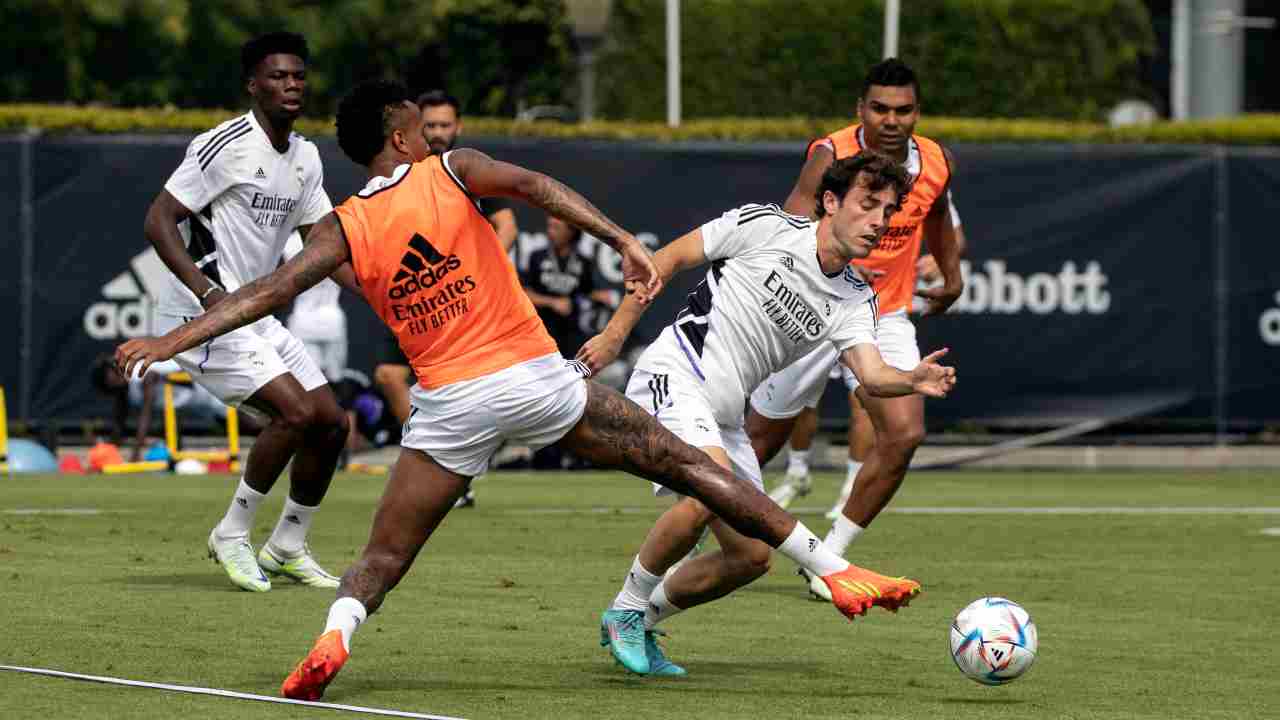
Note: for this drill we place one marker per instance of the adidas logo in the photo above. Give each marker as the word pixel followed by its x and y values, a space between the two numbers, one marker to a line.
pixel 813 544
pixel 242 502
pixel 293 519
pixel 917 212
pixel 128 310
pixel 788 263
pixel 421 267
pixel 260 175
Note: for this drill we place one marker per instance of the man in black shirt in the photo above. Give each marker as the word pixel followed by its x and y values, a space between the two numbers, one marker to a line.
pixel 558 279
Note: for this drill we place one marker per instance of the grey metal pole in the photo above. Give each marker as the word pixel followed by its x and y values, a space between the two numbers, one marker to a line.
pixel 1217 59
pixel 1180 61
pixel 26 271
pixel 587 79
pixel 673 63
pixel 892 13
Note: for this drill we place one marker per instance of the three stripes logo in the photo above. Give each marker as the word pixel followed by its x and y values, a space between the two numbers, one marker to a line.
pixel 260 174
pixel 421 267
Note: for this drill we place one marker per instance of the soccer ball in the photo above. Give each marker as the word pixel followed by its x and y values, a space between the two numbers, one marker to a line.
pixel 993 641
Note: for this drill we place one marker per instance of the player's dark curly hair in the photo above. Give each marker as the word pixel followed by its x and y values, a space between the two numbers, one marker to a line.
pixel 881 171
pixel 272 43
pixel 891 72
pixel 364 118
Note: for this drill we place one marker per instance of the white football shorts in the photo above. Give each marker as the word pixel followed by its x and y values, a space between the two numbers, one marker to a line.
pixel 789 391
pixel 234 366
pixel 462 425
pixel 677 402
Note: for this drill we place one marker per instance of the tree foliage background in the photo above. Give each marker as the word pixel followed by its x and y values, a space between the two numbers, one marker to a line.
pixel 1068 59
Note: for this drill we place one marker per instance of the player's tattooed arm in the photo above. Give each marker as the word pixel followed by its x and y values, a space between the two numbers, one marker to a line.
pixel 345 275
pixel 945 245
pixel 161 230
pixel 485 177
pixel 680 254
pixel 326 250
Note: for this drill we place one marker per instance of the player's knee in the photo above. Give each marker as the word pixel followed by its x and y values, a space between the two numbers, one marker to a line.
pixel 696 515
pixel 751 561
pixel 298 416
pixel 902 441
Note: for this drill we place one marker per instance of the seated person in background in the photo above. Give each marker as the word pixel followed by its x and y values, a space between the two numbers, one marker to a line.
pixel 373 424
pixel 143 394
pixel 558 279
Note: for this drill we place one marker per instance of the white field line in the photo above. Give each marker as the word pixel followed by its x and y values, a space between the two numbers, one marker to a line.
pixel 223 693
pixel 60 511
pixel 1273 532
pixel 951 510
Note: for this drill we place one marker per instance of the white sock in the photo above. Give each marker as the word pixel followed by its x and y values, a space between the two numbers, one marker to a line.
pixel 346 614
pixel 636 589
pixel 240 513
pixel 797 462
pixel 842 534
pixel 852 472
pixel 807 551
pixel 660 608
pixel 290 535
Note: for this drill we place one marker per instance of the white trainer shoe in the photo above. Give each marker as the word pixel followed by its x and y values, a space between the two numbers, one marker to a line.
pixel 235 555
pixel 301 567
pixel 791 487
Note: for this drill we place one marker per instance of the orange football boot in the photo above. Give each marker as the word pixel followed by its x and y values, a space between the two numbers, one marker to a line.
pixel 855 590
pixel 317 669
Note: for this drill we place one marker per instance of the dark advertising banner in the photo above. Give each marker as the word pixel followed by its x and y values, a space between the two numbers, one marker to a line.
pixel 1095 282
pixel 1252 311
pixel 10 271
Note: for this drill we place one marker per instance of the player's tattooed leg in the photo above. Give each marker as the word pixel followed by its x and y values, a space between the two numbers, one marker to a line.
pixel 615 432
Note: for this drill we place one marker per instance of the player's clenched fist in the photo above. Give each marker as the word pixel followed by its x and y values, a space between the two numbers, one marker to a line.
pixel 142 353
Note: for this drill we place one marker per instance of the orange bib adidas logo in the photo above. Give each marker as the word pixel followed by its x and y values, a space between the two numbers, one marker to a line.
pixel 421 267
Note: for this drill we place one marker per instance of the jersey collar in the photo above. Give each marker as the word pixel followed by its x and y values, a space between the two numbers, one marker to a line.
pixel 912 165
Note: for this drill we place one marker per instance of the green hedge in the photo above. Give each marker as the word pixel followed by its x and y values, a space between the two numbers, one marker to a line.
pixel 1244 130
pixel 1065 59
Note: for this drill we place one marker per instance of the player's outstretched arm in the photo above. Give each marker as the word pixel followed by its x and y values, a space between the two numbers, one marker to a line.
pixel 487 177
pixel 325 251
pixel 882 380
pixel 683 253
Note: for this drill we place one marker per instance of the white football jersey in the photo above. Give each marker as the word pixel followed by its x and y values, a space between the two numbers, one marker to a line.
pixel 764 303
pixel 317 314
pixel 246 198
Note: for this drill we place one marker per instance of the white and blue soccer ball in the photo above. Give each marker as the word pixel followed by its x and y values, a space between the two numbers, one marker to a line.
pixel 993 641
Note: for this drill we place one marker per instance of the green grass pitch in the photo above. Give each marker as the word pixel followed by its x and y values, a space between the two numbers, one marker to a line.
pixel 1140 615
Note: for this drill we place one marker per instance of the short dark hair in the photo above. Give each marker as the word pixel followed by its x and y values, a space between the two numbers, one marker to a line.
pixel 891 72
pixel 364 118
pixel 881 171
pixel 280 42
pixel 436 98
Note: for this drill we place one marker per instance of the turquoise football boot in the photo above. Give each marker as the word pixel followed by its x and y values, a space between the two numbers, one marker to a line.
pixel 658 663
pixel 622 631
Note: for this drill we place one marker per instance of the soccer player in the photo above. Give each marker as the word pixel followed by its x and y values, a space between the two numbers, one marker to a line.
pixel 888 109
pixel 779 286
pixel 220 222
pixel 442 125
pixel 488 372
